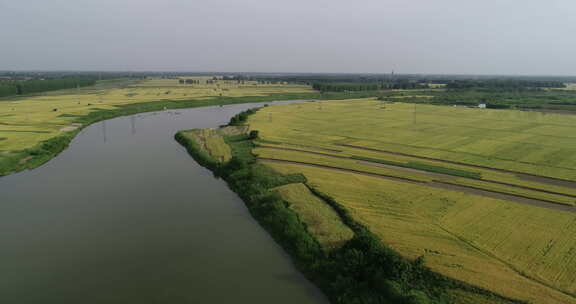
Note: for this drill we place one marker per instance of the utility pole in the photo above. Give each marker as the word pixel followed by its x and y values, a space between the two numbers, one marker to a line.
pixel 104 130
pixel 133 124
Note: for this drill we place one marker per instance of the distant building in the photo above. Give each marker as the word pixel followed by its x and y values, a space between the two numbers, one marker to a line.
pixel 482 106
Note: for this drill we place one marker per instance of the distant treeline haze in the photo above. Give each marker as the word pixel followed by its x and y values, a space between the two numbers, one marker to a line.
pixel 23 87
pixel 503 84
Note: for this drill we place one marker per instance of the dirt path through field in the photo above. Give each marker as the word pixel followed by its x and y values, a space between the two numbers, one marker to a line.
pixel 525 176
pixel 441 185
pixel 428 173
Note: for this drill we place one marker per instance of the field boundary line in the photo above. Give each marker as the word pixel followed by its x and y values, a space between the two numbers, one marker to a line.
pixel 543 203
pixel 572 184
pixel 435 173
pixel 390 177
pixel 303 151
pixel 441 185
pixel 465 153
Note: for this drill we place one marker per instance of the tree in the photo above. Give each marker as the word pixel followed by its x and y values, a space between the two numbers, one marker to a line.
pixel 253 134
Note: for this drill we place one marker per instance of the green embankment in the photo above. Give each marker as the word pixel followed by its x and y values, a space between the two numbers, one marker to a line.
pixel 361 269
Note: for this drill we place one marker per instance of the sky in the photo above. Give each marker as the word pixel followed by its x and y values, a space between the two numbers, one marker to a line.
pixel 513 37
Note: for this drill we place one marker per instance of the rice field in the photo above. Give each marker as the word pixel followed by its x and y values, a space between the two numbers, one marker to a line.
pixel 210 142
pixel 320 219
pixel 527 142
pixel 26 121
pixel 506 245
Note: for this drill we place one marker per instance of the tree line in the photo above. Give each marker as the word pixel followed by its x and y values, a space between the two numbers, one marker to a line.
pixel 189 81
pixel 503 84
pixel 528 98
pixel 369 86
pixel 13 88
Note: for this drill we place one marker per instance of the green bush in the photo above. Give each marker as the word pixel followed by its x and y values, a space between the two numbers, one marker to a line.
pixel 253 134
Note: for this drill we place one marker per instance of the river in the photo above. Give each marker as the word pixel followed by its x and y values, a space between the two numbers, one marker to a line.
pixel 125 215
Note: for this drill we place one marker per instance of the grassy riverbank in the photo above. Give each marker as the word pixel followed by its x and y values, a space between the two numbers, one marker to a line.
pixel 35 128
pixel 16 160
pixel 334 250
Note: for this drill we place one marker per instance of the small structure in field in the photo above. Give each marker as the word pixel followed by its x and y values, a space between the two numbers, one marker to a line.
pixel 482 106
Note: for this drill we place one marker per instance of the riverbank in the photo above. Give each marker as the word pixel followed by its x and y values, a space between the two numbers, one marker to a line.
pixel 361 269
pixel 100 108
pixel 38 155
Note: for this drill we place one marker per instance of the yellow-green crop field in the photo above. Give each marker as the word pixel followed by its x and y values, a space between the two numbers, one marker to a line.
pixel 26 121
pixel 486 196
pixel 211 141
pixel 322 221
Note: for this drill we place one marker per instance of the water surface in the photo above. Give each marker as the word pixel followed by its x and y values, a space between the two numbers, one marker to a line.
pixel 125 215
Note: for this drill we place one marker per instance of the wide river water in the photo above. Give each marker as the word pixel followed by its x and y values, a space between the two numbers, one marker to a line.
pixel 125 215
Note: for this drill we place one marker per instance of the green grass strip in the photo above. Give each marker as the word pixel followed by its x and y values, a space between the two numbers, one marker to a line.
pixel 422 167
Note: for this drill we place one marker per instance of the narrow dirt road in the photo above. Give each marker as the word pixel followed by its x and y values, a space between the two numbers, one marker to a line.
pixel 441 185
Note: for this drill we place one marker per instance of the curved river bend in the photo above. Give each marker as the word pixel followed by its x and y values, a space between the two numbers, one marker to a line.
pixel 125 215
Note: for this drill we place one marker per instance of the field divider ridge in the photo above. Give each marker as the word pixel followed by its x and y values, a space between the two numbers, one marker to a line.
pixel 568 183
pixel 415 170
pixel 542 203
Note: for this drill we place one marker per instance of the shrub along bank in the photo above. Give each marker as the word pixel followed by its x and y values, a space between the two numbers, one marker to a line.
pixel 363 270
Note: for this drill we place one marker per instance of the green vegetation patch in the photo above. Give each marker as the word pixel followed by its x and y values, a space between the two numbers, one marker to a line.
pixel 423 167
pixel 218 148
pixel 209 141
pixel 69 115
pixel 553 99
pixel 24 131
pixel 267 141
pixel 443 170
pixel 320 219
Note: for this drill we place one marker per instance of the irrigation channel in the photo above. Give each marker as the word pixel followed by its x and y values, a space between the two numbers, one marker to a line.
pixel 125 215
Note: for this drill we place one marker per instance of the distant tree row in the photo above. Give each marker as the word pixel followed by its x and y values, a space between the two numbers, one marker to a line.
pixel 360 86
pixel 189 81
pixel 8 89
pixel 11 88
pixel 505 84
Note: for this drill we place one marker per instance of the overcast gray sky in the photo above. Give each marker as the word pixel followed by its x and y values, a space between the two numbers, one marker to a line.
pixel 376 36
